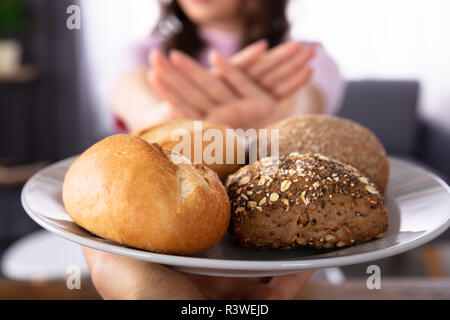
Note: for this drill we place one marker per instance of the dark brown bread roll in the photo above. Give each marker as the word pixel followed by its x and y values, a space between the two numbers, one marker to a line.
pixel 303 201
pixel 336 138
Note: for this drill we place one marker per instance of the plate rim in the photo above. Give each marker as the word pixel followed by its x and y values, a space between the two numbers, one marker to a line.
pixel 240 265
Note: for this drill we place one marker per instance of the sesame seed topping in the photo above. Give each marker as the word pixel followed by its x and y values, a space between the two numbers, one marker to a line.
pixel 371 189
pixel 304 199
pixel 363 180
pixel 244 180
pixel 261 181
pixel 251 204
pixel 285 185
pixel 274 197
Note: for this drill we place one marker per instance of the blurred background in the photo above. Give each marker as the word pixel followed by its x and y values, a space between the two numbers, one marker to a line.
pixel 54 103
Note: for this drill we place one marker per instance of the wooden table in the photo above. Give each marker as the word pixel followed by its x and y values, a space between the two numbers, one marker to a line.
pixel 391 288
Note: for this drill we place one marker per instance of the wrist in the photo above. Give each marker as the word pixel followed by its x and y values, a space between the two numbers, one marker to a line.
pixel 159 112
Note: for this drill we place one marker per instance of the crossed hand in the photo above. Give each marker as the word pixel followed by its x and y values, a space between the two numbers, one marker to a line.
pixel 252 89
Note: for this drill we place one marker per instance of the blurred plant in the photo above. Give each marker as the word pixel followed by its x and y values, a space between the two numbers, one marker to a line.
pixel 13 18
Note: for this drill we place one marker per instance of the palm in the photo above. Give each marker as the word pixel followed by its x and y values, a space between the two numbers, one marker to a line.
pixel 117 277
pixel 281 287
pixel 226 288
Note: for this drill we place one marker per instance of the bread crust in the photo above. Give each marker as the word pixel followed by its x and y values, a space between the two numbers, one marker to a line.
pixel 309 201
pixel 129 191
pixel 336 138
pixel 162 134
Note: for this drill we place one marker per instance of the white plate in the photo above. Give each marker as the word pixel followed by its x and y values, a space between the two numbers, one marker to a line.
pixel 418 204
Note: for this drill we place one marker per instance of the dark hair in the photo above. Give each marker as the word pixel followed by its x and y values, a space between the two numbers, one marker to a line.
pixel 263 20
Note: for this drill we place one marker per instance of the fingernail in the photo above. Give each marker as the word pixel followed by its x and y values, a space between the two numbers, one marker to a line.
pixel 157 57
pixel 152 75
pixel 218 56
pixel 174 54
pixel 264 42
pixel 152 56
pixel 212 56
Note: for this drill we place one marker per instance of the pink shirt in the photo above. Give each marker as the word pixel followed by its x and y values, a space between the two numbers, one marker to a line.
pixel 326 77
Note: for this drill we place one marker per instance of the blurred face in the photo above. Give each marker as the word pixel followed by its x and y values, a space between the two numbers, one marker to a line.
pixel 205 12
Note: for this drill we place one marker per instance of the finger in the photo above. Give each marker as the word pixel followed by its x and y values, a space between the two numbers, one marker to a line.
pixel 235 113
pixel 273 58
pixel 117 277
pixel 287 68
pixel 292 84
pixel 211 85
pixel 172 98
pixel 89 256
pixel 178 82
pixel 283 287
pixel 244 58
pixel 223 287
pixel 244 86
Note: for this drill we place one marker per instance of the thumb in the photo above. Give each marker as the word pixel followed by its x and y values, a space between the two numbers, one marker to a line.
pixel 116 277
pixel 282 287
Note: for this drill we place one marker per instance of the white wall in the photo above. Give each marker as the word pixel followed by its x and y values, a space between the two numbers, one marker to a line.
pixel 108 26
pixel 384 39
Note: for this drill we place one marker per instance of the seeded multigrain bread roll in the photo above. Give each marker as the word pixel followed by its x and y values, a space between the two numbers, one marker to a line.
pixel 336 138
pixel 129 191
pixel 303 201
pixel 166 136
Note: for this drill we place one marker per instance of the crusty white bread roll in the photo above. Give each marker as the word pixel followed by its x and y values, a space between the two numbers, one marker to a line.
pixel 304 201
pixel 337 138
pixel 166 136
pixel 129 191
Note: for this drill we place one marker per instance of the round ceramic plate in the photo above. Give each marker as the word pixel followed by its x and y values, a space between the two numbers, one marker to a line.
pixel 418 204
